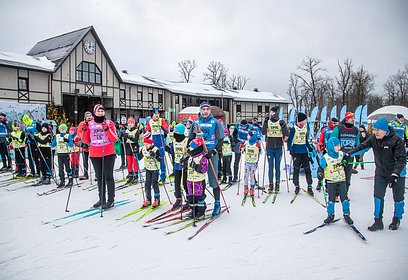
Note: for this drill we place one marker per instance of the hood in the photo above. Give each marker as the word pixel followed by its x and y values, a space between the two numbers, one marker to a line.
pixel 331 143
pixel 207 118
pixel 274 118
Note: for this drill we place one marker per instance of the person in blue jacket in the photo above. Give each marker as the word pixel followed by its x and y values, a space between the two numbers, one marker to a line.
pixel 32 128
pixel 5 130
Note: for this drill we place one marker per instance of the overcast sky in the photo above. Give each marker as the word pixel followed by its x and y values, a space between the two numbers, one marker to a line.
pixel 264 40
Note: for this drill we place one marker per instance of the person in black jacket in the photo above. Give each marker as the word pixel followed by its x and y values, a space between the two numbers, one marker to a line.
pixel 363 136
pixel 390 170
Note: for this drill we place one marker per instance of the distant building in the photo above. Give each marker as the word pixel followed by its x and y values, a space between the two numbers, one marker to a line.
pixel 75 72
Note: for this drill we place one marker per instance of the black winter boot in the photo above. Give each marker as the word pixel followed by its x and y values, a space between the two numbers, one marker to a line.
pixel 98 204
pixel 270 189
pixel 348 219
pixel 310 190
pixel 200 210
pixel 176 204
pixel 378 225
pixel 277 187
pixel 395 224
pixel 329 219
pixel 47 181
pixel 70 183
pixel 297 189
pixel 108 205
pixel 61 184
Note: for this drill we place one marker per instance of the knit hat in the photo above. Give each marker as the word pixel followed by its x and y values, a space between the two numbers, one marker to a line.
pixel 197 142
pixel 147 134
pixel 147 141
pixel 2 114
pixel 252 139
pixel 399 116
pixel 301 117
pixel 348 116
pixel 97 107
pixel 44 124
pixel 73 128
pixel 205 104
pixel 334 120
pixel 275 109
pixel 244 122
pixel 180 128
pixel 381 124
pixel 131 120
pixel 87 113
pixel 63 126
pixel 226 131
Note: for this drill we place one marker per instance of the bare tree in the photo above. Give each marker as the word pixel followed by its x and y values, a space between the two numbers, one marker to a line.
pixel 344 81
pixel 310 82
pixel 186 68
pixel 294 91
pixel 363 84
pixel 237 81
pixel 374 102
pixel 396 88
pixel 217 74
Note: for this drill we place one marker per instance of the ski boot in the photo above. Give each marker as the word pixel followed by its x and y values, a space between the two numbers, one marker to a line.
pixel 61 184
pixel 378 225
pixel 252 191
pixel 277 187
pixel 217 208
pixel 108 205
pixel 98 204
pixel 130 179
pixel 329 219
pixel 395 224
pixel 47 181
pixel 84 177
pixel 156 201
pixel 146 203
pixel 319 186
pixel 348 219
pixel 200 210
pixel 176 204
pixel 354 171
pixel 235 180
pixel 229 180
pixel 135 178
pixel 297 189
pixel 270 189
pixel 245 190
pixel 70 183
pixel 186 205
pixel 310 190
pixel 224 180
pixel 3 168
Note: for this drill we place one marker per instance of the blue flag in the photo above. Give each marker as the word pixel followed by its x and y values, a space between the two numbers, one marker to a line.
pixel 333 112
pixel 343 112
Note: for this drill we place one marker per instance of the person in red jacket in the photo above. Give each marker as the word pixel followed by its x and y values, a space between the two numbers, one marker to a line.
pixel 74 152
pixel 84 147
pixel 100 135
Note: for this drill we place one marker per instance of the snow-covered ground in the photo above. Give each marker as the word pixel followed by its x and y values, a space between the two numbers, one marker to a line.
pixel 265 242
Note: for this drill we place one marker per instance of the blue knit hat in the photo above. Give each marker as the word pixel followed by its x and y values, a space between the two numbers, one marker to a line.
pixel 252 139
pixel 180 129
pixel 382 124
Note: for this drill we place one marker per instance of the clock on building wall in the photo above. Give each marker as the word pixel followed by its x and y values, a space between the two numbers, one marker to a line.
pixel 89 47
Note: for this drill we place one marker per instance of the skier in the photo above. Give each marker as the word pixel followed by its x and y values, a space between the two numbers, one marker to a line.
pixel 299 147
pixel 227 157
pixel 63 143
pixel 44 140
pixel 75 158
pixel 349 138
pixel 180 167
pixel 331 166
pixel 213 134
pixel 131 138
pixel 239 135
pixel 325 133
pixel 390 170
pixel 251 149
pixel 84 147
pixel 400 127
pixel 159 129
pixel 152 158
pixel 32 127
pixel 276 132
pixel 100 134
pixel 18 136
pixel 5 130
pixel 197 167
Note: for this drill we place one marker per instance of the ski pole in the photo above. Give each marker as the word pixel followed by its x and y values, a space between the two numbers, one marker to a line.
pixel 164 184
pixel 264 170
pixel 360 162
pixel 70 187
pixel 286 168
pixel 239 171
pixel 102 179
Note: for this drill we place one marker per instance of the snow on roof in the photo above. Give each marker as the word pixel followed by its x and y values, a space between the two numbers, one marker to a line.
pixel 389 112
pixel 248 95
pixel 138 80
pixel 26 61
pixel 190 110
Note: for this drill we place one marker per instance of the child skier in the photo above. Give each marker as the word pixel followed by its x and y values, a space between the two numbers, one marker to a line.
pixel 180 171
pixel 197 167
pixel 131 138
pixel 17 138
pixel 251 149
pixel 44 139
pixel 332 166
pixel 63 142
pixel 152 158
pixel 227 157
pixel 74 152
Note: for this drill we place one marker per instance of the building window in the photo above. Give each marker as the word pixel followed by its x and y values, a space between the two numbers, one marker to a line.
pixel 150 97
pixel 267 109
pixel 238 108
pixel 177 99
pixel 140 96
pixel 22 84
pixel 88 72
pixel 184 102
pixel 122 94
pixel 160 98
pixel 259 108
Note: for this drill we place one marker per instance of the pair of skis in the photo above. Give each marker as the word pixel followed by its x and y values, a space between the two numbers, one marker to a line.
pixel 359 234
pixel 309 195
pixel 252 200
pixel 275 195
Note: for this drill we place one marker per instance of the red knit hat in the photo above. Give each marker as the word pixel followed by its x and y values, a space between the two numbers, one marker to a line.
pixel 147 141
pixel 97 107
pixel 348 116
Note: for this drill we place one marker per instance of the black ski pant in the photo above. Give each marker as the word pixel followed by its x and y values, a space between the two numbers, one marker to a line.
pixel 63 162
pixel 226 167
pixel 180 176
pixel 301 160
pixel 20 160
pixel 103 167
pixel 347 170
pixel 5 155
pixel 85 159
pixel 33 158
pixel 236 164
pixel 152 179
pixel 336 188
pixel 46 165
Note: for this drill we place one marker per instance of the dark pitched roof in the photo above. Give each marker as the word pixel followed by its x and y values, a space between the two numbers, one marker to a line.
pixel 58 48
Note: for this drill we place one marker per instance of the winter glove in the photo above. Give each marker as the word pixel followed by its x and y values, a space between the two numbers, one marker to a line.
pixel 211 153
pixel 85 146
pixel 320 174
pixel 65 139
pixel 167 148
pixel 183 159
pixel 105 126
pixel 393 180
pixel 193 165
pixel 344 162
pixel 152 154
